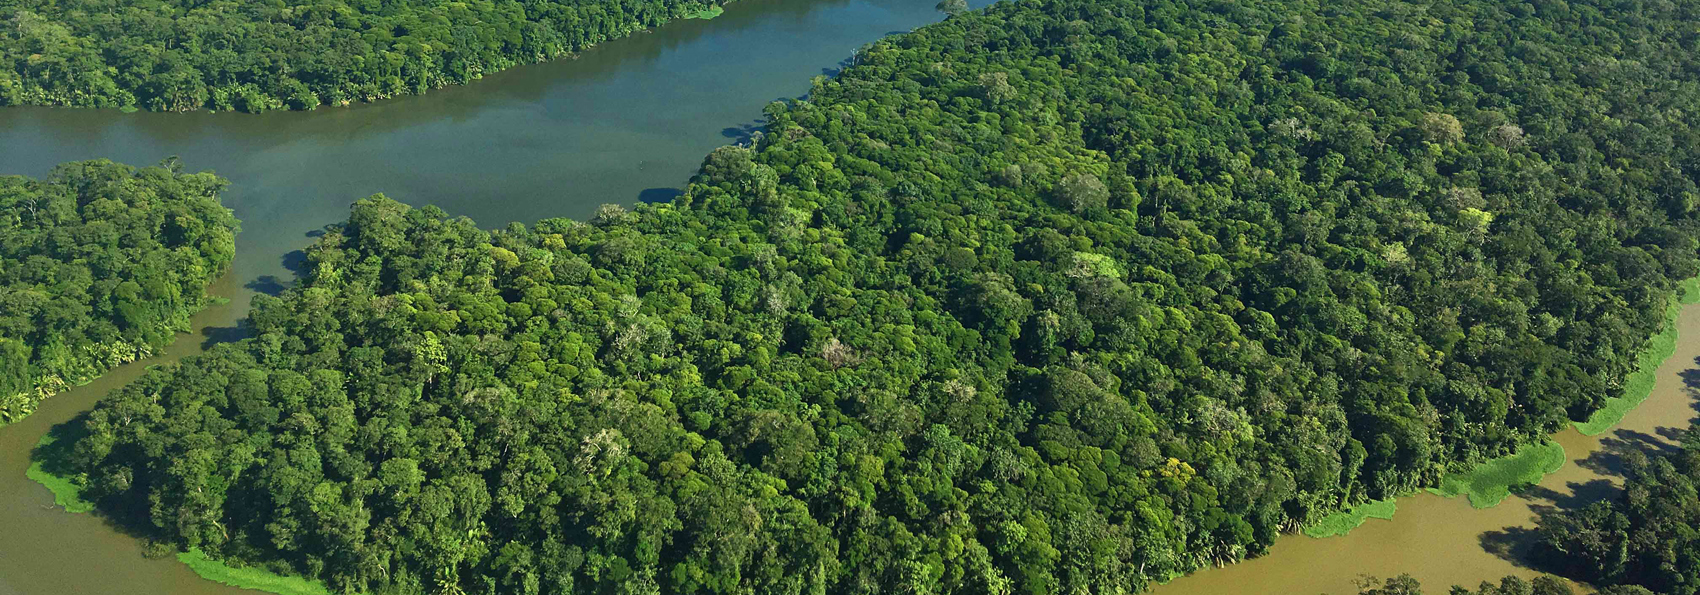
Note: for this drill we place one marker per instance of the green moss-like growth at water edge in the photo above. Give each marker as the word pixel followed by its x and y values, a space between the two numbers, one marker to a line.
pixel 706 13
pixel 1490 482
pixel 1341 523
pixel 1639 384
pixel 257 579
pixel 66 494
pixel 997 303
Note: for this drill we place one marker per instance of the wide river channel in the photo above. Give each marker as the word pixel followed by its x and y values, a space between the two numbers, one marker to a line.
pixel 629 120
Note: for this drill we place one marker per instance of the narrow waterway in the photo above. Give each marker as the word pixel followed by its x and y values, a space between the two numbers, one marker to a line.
pixel 45 550
pixel 1444 541
pixel 626 121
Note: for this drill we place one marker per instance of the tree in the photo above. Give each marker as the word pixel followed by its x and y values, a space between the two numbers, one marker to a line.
pixel 100 265
pixel 1444 129
pixel 926 315
pixel 287 55
pixel 1083 192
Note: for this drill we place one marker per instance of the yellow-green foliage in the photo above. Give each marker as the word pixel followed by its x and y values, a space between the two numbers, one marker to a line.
pixel 1490 482
pixel 257 579
pixel 66 494
pixel 1341 523
pixel 1640 383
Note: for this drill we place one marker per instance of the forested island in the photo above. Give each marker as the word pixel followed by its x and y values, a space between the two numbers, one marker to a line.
pixel 263 55
pixel 100 265
pixel 1061 296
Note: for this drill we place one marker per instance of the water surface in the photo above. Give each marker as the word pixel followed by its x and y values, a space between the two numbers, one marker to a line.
pixel 630 119
pixel 1444 541
pixel 624 120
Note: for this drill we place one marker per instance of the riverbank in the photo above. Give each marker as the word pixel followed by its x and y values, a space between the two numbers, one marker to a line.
pixel 45 550
pixel 1445 541
pixel 1490 482
pixel 429 50
pixel 629 120
pixel 255 579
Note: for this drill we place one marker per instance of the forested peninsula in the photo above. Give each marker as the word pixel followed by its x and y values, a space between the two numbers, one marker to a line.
pixel 1511 585
pixel 1646 536
pixel 1061 296
pixel 1640 543
pixel 262 55
pixel 100 265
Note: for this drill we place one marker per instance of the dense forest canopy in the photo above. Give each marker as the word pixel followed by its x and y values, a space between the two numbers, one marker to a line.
pixel 1511 585
pixel 1061 296
pixel 1647 537
pixel 260 55
pixel 100 264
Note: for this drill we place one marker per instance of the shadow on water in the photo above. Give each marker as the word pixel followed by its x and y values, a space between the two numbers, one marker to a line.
pixel 1691 380
pixel 741 132
pixel 1616 449
pixel 657 195
pixel 1617 452
pixel 1518 545
pixel 835 69
pixel 128 516
pixel 224 334
pixel 267 284
pixel 745 134
pixel 294 261
pixel 1577 494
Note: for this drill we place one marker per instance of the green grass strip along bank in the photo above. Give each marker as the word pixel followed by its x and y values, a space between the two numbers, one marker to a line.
pixel 66 494
pixel 1490 482
pixel 1341 523
pixel 1639 384
pixel 257 579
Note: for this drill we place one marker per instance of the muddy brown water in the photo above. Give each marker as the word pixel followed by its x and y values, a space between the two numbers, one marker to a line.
pixel 627 121
pixel 1444 541
pixel 43 549
pixel 1440 541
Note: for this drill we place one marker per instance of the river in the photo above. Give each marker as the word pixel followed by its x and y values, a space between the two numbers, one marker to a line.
pixel 1444 541
pixel 626 121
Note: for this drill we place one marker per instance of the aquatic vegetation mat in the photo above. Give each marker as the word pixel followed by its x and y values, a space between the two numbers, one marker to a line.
pixel 706 13
pixel 1341 523
pixel 66 494
pixel 951 248
pixel 1490 482
pixel 1639 384
pixel 257 579
pixel 46 462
